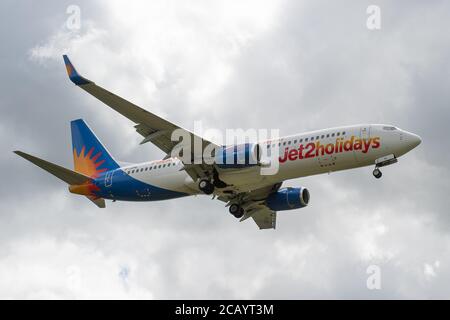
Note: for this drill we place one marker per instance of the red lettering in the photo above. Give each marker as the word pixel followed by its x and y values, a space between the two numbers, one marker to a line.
pixel 376 142
pixel 336 146
pixel 348 145
pixel 282 160
pixel 309 150
pixel 300 152
pixel 329 148
pixel 293 154
pixel 367 143
pixel 319 149
pixel 358 144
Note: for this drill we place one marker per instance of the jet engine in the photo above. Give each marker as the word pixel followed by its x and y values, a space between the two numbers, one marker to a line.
pixel 288 199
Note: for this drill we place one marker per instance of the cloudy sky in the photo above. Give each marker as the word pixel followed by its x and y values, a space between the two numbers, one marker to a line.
pixel 292 65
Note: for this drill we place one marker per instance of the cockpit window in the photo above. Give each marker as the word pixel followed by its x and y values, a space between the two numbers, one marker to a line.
pixel 389 128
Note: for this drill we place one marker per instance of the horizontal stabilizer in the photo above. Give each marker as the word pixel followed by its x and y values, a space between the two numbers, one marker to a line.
pixel 69 176
pixel 66 175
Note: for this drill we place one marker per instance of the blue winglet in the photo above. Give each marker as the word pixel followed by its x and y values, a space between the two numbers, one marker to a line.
pixel 73 74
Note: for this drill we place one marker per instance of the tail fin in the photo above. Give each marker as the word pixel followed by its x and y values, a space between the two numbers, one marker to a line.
pixel 90 157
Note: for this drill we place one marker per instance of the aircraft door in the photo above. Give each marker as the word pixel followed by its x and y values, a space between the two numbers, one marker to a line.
pixel 364 135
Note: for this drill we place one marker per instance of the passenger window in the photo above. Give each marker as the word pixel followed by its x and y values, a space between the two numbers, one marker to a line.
pixel 289 142
pixel 317 138
pixel 332 134
pixel 301 140
pixel 295 141
pixel 159 166
pixel 323 136
pixel 343 133
pixel 328 135
pixel 284 143
pixel 306 139
pixel 312 138
pixel 338 134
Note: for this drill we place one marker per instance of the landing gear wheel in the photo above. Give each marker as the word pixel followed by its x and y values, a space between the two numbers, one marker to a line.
pixel 236 210
pixel 205 186
pixel 377 173
pixel 240 214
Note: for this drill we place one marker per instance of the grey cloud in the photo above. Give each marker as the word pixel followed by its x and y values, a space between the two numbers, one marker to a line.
pixel 315 66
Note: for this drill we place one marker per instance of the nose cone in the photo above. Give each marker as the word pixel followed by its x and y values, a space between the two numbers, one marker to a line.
pixel 412 140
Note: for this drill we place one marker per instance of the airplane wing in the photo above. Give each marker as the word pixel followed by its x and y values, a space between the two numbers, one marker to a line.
pixel 153 128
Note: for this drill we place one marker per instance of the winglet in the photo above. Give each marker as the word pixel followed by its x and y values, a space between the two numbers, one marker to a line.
pixel 73 74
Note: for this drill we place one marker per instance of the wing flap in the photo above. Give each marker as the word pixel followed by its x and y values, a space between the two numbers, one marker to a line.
pixel 265 218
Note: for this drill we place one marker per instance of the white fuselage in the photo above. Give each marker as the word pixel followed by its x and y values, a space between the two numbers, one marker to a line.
pixel 300 155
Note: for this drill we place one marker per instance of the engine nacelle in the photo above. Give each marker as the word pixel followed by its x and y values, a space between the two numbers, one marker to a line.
pixel 238 156
pixel 288 199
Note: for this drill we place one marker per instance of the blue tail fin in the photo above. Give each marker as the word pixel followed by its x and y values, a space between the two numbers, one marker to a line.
pixel 90 157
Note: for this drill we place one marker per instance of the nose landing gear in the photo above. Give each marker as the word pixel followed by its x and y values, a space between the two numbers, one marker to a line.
pixel 382 162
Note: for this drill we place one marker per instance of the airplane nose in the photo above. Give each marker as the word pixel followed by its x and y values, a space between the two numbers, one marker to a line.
pixel 413 140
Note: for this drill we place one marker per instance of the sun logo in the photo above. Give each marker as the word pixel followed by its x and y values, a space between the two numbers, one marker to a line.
pixel 87 164
pixel 69 69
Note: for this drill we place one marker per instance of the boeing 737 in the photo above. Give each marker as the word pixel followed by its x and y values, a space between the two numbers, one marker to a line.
pixel 241 185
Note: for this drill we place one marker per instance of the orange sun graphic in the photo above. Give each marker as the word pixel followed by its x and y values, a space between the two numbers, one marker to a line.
pixel 69 69
pixel 87 164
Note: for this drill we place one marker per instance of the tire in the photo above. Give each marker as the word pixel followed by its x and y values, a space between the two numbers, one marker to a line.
pixel 206 187
pixel 377 173
pixel 234 209
pixel 240 213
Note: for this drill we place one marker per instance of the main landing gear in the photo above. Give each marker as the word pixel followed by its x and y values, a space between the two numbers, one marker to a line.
pixel 206 186
pixel 377 173
pixel 236 210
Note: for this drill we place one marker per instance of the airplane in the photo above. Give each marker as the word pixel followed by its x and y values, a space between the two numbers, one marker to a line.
pixel 246 192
